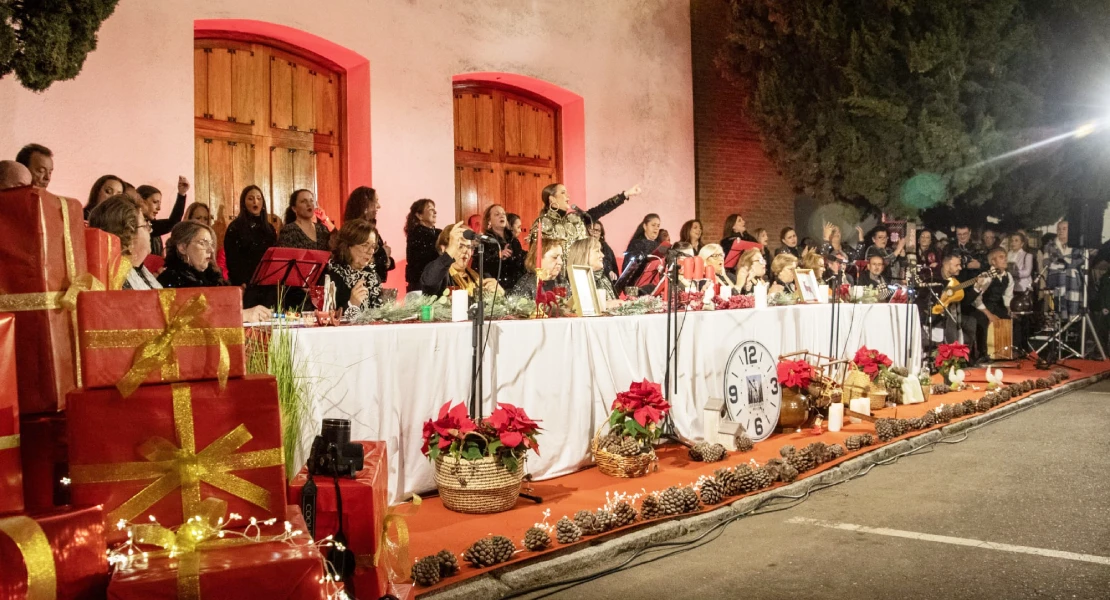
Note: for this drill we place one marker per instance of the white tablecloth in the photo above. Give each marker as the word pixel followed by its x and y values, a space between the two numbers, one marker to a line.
pixel 389 379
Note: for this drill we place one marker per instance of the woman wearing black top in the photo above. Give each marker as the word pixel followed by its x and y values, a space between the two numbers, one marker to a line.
pixel 504 258
pixel 691 234
pixel 735 229
pixel 248 237
pixel 190 262
pixel 451 269
pixel 420 243
pixel 551 266
pixel 645 240
pixel 363 204
pixel 789 239
pixel 783 273
pixel 105 187
pixel 151 201
pixel 608 259
pixel 302 230
pixel 357 287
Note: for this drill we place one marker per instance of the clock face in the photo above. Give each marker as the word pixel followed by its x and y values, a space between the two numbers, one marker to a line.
pixel 752 393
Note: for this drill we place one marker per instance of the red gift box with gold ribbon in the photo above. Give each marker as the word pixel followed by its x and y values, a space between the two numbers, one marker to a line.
pixel 105 258
pixel 11 471
pixel 133 337
pixel 59 555
pixel 230 569
pixel 44 270
pixel 165 448
pixel 364 510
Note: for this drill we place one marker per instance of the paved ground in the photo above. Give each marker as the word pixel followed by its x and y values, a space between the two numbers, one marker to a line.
pixel 1036 482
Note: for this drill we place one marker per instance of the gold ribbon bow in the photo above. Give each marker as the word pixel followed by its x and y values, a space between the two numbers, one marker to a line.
pixel 184 468
pixel 7 442
pixel 200 532
pixel 155 348
pixel 61 300
pixel 397 552
pixel 37 556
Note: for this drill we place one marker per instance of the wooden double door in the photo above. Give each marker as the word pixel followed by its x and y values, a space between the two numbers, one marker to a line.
pixel 265 116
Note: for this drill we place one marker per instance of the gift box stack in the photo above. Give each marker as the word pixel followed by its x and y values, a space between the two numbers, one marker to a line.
pixel 129 406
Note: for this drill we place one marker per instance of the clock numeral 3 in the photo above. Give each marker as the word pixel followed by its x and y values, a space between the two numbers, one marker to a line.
pixel 774 385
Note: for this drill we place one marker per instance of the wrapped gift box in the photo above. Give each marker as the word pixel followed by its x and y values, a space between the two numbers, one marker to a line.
pixel 58 555
pixel 105 258
pixel 159 336
pixel 364 508
pixel 277 570
pixel 45 462
pixel 163 449
pixel 11 471
pixel 44 268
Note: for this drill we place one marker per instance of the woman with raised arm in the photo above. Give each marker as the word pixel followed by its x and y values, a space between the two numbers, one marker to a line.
pixel 565 224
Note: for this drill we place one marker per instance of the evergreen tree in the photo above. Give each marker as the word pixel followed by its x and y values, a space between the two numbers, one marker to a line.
pixel 44 41
pixel 897 105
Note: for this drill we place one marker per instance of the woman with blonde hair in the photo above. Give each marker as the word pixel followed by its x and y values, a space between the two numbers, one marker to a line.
pixel 452 269
pixel 751 269
pixel 588 252
pixel 782 269
pixel 714 256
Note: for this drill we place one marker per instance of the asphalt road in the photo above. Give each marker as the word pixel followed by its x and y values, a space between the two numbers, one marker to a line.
pixel 1035 484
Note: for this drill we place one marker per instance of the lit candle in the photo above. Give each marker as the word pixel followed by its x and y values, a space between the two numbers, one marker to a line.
pixel 836 416
pixel 539 257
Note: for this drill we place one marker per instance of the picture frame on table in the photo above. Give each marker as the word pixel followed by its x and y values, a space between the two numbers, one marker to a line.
pixel 808 286
pixel 583 291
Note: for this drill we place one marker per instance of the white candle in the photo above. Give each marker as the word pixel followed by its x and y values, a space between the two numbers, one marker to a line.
pixel 823 294
pixel 860 405
pixel 836 416
pixel 459 302
pixel 726 292
pixel 601 300
pixel 760 292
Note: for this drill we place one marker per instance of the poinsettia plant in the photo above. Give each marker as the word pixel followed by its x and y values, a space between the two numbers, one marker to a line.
pixel 795 374
pixel 871 362
pixel 639 412
pixel 507 435
pixel 947 356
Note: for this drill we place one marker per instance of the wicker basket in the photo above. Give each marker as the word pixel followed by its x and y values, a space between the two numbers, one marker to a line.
pixel 615 465
pixel 878 397
pixel 856 384
pixel 477 486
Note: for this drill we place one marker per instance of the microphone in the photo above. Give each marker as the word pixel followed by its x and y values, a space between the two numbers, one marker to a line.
pixel 471 235
pixel 585 216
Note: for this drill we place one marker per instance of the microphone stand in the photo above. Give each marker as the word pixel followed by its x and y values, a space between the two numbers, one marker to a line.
pixel 671 373
pixel 477 363
pixel 911 302
pixel 834 320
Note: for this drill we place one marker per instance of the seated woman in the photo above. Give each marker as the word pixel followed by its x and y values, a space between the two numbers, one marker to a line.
pixel 190 256
pixel 646 239
pixel 813 261
pixel 551 265
pixel 452 269
pixel 751 270
pixel 714 256
pixel 351 268
pixel 588 252
pixel 782 270
pixel 123 217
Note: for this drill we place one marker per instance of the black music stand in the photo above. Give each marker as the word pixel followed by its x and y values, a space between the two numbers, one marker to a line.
pixel 290 268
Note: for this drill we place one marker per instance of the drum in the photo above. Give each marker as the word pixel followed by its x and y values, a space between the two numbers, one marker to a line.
pixel 1000 340
pixel 1022 304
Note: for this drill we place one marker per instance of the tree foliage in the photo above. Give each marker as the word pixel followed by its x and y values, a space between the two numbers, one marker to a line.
pixel 43 41
pixel 858 101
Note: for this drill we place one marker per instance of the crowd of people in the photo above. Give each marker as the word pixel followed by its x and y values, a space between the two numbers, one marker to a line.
pixel 518 262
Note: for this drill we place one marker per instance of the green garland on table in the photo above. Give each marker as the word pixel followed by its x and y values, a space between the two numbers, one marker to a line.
pixel 408 311
pixel 782 299
pixel 273 353
pixel 639 306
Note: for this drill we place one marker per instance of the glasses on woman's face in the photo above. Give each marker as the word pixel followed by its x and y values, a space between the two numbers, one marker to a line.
pixel 370 247
pixel 203 242
pixel 718 255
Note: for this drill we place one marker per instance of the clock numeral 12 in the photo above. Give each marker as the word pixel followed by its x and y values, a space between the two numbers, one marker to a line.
pixel 749 355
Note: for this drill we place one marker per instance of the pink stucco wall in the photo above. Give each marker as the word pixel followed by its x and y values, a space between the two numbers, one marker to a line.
pixel 130 110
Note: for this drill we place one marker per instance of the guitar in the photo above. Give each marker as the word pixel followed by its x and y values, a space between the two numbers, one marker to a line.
pixel 954 293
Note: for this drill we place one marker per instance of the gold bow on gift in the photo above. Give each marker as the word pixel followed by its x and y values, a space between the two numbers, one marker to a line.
pixel 397 552
pixel 201 532
pixel 33 545
pixel 184 468
pixel 7 442
pixel 155 348
pixel 62 300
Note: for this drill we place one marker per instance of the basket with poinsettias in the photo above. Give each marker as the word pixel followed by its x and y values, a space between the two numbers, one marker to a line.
pixel 635 423
pixel 479 466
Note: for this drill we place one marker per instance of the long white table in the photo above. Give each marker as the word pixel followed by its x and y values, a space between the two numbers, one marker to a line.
pixel 389 379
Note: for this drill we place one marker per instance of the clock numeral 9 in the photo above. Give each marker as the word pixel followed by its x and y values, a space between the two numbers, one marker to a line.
pixel 774 385
pixel 733 395
pixel 758 426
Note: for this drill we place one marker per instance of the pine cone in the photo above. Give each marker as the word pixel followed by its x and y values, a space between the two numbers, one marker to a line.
pixel 711 492
pixel 835 451
pixel 605 519
pixel 426 571
pixel 969 407
pixel 763 478
pixel 1043 384
pixel 744 443
pixel 537 539
pixel 886 429
pixel 651 507
pixel 690 500
pixel 670 501
pixel 853 443
pixel 697 451
pixel 786 451
pixel 745 477
pixel 802 461
pixel 623 514
pixel 900 371
pixel 629 447
pixel 939 389
pixel 489 551
pixel 1029 385
pixel 448 563
pixel 958 410
pixel 947 413
pixel 1064 374
pixel 917 423
pixel 1004 395
pixel 818 452
pixel 567 532
pixel 788 474
pixel 894 394
pixel 587 522
pixel 984 404
pixel 929 418
pixel 714 453
pixel 729 482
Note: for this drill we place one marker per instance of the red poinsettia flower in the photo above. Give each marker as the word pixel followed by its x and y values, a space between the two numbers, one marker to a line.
pixel 644 401
pixel 453 422
pixel 949 352
pixel 513 427
pixel 871 362
pixel 796 374
pixel 429 431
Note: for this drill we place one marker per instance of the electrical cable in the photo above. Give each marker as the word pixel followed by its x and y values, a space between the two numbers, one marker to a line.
pixel 793 501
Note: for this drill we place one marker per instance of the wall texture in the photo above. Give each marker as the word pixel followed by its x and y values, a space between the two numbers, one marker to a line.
pixel 733 173
pixel 130 110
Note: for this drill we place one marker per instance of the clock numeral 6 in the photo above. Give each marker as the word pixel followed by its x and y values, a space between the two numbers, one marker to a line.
pixel 733 395
pixel 758 426
pixel 774 385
